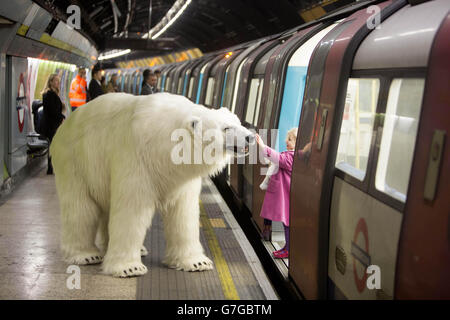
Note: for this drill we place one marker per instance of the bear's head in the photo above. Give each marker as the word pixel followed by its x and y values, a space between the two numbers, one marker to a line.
pixel 210 138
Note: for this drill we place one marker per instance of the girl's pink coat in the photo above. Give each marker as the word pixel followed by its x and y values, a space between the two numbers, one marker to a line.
pixel 276 200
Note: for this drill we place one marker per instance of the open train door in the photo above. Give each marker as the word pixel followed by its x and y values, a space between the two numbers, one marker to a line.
pixel 423 268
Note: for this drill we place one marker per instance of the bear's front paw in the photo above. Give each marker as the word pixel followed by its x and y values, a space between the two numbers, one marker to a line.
pixel 125 270
pixel 200 263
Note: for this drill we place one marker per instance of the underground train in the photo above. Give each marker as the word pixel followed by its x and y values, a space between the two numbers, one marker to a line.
pixel 368 87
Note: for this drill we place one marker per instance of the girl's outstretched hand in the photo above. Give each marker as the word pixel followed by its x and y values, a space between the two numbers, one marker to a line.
pixel 259 141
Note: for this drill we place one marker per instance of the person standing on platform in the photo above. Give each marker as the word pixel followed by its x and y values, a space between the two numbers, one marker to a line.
pixel 95 86
pixel 78 90
pixel 112 84
pixel 157 74
pixel 149 83
pixel 53 111
pixel 103 83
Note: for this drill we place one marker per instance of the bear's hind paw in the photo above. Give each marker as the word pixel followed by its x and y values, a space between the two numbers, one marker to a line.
pixel 83 259
pixel 129 270
pixel 194 264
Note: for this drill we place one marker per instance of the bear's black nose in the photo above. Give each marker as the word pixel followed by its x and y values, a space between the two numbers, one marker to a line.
pixel 250 139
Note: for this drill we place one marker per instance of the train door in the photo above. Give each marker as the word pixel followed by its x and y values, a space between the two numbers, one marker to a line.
pixel 176 83
pixel 169 79
pixel 18 113
pixel 221 75
pixel 135 82
pixel 3 116
pixel 121 82
pixel 244 97
pixel 207 88
pixel 130 82
pixel 424 256
pixel 139 82
pixel 312 175
pixel 250 121
pixel 126 77
pixel 196 79
pixel 203 80
pixel 164 78
pixel 289 63
pixel 188 78
pixel 232 87
pixel 159 83
pixel 181 84
pixel 214 79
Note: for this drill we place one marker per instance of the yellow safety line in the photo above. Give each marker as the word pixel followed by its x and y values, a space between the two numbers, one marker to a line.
pixel 228 287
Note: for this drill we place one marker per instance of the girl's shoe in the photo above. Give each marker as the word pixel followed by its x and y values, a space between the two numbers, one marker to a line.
pixel 278 251
pixel 281 254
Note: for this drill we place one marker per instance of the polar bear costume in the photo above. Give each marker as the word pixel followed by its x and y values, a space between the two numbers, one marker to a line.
pixel 113 164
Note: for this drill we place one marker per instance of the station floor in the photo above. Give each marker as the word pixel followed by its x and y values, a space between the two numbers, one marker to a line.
pixel 31 266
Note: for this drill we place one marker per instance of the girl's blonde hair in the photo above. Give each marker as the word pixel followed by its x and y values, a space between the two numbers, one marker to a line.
pixel 48 83
pixel 292 133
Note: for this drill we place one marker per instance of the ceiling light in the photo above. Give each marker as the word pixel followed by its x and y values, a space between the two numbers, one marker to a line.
pixel 113 54
pixel 167 20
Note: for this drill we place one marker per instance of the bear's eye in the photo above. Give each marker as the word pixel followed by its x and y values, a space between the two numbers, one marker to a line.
pixel 226 128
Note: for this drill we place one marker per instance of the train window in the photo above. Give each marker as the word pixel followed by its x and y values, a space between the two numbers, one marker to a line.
pixel 357 125
pixel 252 97
pixel 191 87
pixel 168 83
pixel 236 85
pixel 180 85
pixel 209 91
pixel 399 137
pixel 226 87
pixel 258 103
pixel 159 82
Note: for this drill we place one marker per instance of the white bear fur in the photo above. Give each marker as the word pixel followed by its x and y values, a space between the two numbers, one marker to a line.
pixel 112 166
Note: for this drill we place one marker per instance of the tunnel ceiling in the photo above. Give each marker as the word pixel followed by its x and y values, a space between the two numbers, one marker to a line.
pixel 206 24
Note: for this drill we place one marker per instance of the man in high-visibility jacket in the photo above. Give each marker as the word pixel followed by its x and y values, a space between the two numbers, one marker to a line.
pixel 78 90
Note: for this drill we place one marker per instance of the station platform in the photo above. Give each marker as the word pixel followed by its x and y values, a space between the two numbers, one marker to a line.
pixel 31 266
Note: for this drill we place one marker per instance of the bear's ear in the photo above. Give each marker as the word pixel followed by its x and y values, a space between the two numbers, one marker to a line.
pixel 194 124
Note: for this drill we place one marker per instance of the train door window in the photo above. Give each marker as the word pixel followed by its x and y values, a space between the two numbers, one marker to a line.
pixel 168 83
pixel 191 87
pixel 209 91
pixel 159 82
pixel 236 85
pixel 399 137
pixel 258 103
pixel 252 99
pixel 357 125
pixel 180 85
pixel 226 87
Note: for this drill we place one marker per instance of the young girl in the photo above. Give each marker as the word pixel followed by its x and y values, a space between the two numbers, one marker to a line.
pixel 276 200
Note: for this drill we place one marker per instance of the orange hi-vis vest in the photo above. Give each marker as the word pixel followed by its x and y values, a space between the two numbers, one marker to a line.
pixel 77 93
